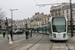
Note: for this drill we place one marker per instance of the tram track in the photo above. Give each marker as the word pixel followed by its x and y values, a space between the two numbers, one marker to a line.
pixel 67 46
pixel 22 43
pixel 19 43
pixel 38 39
pixel 51 46
pixel 27 42
pixel 35 43
pixel 59 46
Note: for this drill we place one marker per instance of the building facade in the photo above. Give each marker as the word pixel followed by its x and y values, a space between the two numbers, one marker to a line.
pixel 39 19
pixel 57 10
pixel 45 19
pixel 36 19
pixel 63 10
pixel 22 23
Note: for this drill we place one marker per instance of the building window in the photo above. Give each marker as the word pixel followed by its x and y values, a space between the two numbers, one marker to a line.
pixel 52 13
pixel 63 12
pixel 67 11
pixel 55 13
pixel 48 18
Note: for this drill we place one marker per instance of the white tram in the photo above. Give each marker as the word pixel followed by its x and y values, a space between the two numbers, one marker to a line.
pixel 58 28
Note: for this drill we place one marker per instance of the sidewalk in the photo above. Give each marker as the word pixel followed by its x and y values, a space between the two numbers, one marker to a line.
pixel 73 38
pixel 16 38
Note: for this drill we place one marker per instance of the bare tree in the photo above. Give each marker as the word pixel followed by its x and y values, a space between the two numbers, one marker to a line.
pixel 2 15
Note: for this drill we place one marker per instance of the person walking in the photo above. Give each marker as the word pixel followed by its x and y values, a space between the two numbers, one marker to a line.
pixel 4 34
pixel 11 34
pixel 9 38
pixel 27 33
pixel 31 33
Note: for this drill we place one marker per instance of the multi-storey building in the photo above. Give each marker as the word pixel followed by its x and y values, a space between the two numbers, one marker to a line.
pixel 28 22
pixel 63 10
pixel 19 23
pixel 39 19
pixel 36 19
pixel 57 10
pixel 66 12
pixel 9 22
pixel 22 23
pixel 45 19
pixel 3 24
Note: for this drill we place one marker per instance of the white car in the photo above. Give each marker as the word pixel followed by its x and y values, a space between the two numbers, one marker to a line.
pixel 18 31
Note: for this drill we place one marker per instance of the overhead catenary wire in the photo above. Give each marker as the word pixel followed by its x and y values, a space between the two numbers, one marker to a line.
pixel 36 2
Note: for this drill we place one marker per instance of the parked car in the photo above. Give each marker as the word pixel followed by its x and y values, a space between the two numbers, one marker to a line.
pixel 18 31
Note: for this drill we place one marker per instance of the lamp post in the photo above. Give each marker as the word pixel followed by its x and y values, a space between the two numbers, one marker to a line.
pixel 26 25
pixel 12 19
pixel 71 20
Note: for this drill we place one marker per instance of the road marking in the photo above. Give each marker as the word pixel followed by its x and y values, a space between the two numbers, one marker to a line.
pixel 27 46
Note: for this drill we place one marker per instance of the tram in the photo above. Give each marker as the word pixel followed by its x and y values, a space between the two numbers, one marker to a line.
pixel 58 28
pixel 41 29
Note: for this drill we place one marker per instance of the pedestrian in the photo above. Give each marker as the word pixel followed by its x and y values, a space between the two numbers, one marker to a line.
pixel 27 33
pixel 11 34
pixel 31 33
pixel 4 34
pixel 9 38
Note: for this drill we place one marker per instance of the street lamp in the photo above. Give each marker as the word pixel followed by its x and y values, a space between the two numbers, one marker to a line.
pixel 12 18
pixel 71 20
pixel 26 25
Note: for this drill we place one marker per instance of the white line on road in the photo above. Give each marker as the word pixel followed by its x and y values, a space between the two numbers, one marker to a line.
pixel 25 47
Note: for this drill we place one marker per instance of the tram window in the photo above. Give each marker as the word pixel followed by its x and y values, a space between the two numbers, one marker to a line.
pixel 59 28
pixel 54 28
pixel 49 28
pixel 59 25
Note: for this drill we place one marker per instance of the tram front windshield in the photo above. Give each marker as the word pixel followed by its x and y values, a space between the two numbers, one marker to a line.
pixel 59 24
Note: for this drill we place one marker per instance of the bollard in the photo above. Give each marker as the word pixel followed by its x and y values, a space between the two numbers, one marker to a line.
pixel 10 41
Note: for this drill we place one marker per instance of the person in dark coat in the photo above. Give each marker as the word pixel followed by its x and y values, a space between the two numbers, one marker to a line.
pixel 4 34
pixel 31 33
pixel 11 34
pixel 27 33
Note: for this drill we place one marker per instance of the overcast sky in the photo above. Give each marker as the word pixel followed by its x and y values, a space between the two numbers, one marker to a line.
pixel 26 8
